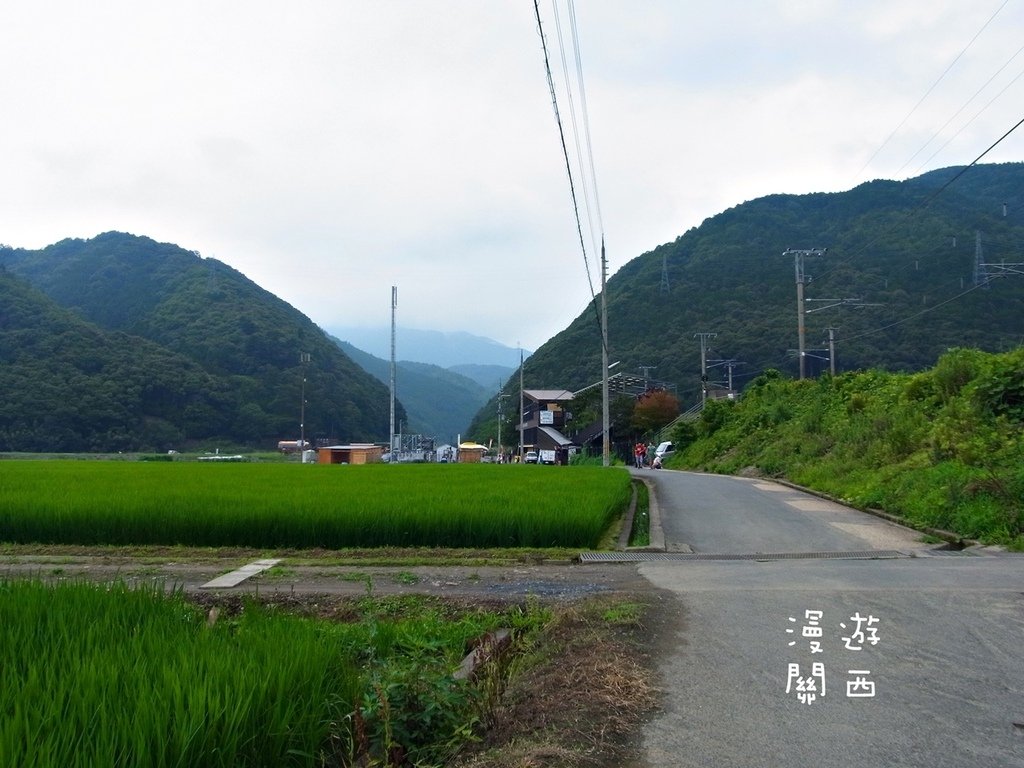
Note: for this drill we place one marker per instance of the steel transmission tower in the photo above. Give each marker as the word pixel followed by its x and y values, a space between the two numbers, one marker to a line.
pixel 981 275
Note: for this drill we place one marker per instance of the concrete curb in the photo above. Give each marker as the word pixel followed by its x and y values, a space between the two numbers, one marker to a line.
pixel 657 534
pixel 949 536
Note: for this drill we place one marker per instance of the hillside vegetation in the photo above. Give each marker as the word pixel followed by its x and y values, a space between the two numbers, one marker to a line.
pixel 902 247
pixel 905 249
pixel 941 448
pixel 139 345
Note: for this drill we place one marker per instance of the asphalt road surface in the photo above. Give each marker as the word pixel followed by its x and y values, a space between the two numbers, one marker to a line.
pixel 927 671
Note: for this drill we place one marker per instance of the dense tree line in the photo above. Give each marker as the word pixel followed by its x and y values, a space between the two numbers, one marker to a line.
pixel 905 250
pixel 130 344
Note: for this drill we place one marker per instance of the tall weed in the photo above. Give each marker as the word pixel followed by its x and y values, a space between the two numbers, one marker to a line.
pixel 943 447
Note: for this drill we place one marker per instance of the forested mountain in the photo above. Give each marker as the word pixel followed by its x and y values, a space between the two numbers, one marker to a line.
pixel 69 386
pixel 905 250
pixel 238 344
pixel 439 403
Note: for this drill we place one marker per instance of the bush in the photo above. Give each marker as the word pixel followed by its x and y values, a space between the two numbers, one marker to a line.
pixel 941 447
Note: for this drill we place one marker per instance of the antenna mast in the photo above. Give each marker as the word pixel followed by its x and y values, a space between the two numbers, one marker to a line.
pixel 391 434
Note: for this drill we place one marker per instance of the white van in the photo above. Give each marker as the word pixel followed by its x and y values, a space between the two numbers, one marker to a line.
pixel 664 450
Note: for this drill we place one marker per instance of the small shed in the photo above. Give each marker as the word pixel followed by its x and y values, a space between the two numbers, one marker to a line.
pixel 471 453
pixel 357 453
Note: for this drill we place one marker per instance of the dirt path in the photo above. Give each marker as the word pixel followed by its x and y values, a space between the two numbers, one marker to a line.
pixel 560 581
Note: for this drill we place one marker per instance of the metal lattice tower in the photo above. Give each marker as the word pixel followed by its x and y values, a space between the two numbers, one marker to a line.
pixel 981 275
pixel 664 273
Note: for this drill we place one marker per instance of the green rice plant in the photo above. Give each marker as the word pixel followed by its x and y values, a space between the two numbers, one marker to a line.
pixel 280 505
pixel 113 676
pixel 124 677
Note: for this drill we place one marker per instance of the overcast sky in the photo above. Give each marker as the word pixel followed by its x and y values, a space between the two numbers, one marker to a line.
pixel 329 150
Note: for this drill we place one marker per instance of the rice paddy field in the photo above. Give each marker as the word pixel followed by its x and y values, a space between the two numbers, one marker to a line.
pixel 306 506
pixel 119 677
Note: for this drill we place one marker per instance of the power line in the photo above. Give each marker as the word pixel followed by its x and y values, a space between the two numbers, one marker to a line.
pixel 922 205
pixel 586 118
pixel 976 116
pixel 913 316
pixel 966 168
pixel 932 88
pixel 565 150
pixel 578 145
pixel 957 113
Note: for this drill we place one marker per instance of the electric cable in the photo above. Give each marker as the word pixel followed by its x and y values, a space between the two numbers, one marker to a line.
pixel 568 169
pixel 929 91
pixel 565 151
pixel 957 113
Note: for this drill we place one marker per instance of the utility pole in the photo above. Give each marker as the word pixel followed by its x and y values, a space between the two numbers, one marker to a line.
pixel 304 358
pixel 801 279
pixel 729 366
pixel 855 303
pixel 605 419
pixel 521 423
pixel 391 434
pixel 704 364
pixel 501 396
pixel 646 371
pixel 832 350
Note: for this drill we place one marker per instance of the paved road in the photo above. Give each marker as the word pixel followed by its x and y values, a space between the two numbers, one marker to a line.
pixel 946 675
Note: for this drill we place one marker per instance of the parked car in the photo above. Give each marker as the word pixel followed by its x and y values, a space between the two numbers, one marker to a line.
pixel 664 450
pixel 530 457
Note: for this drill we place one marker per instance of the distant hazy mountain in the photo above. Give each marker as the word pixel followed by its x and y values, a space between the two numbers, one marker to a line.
pixel 439 402
pixel 490 377
pixel 435 347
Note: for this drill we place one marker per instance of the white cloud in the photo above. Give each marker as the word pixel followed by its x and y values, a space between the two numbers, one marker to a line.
pixel 330 150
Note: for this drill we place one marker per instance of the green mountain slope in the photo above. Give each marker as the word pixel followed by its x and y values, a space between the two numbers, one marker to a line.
pixel 730 277
pixel 224 323
pixel 902 247
pixel 69 386
pixel 439 403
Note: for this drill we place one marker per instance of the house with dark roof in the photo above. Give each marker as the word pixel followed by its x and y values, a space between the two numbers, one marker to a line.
pixel 545 419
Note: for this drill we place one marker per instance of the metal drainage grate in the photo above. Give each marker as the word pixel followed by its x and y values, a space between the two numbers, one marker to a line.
pixel 648 557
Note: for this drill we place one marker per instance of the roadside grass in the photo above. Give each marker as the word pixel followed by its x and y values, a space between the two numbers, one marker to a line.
pixel 941 449
pixel 640 534
pixel 576 694
pixel 272 506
